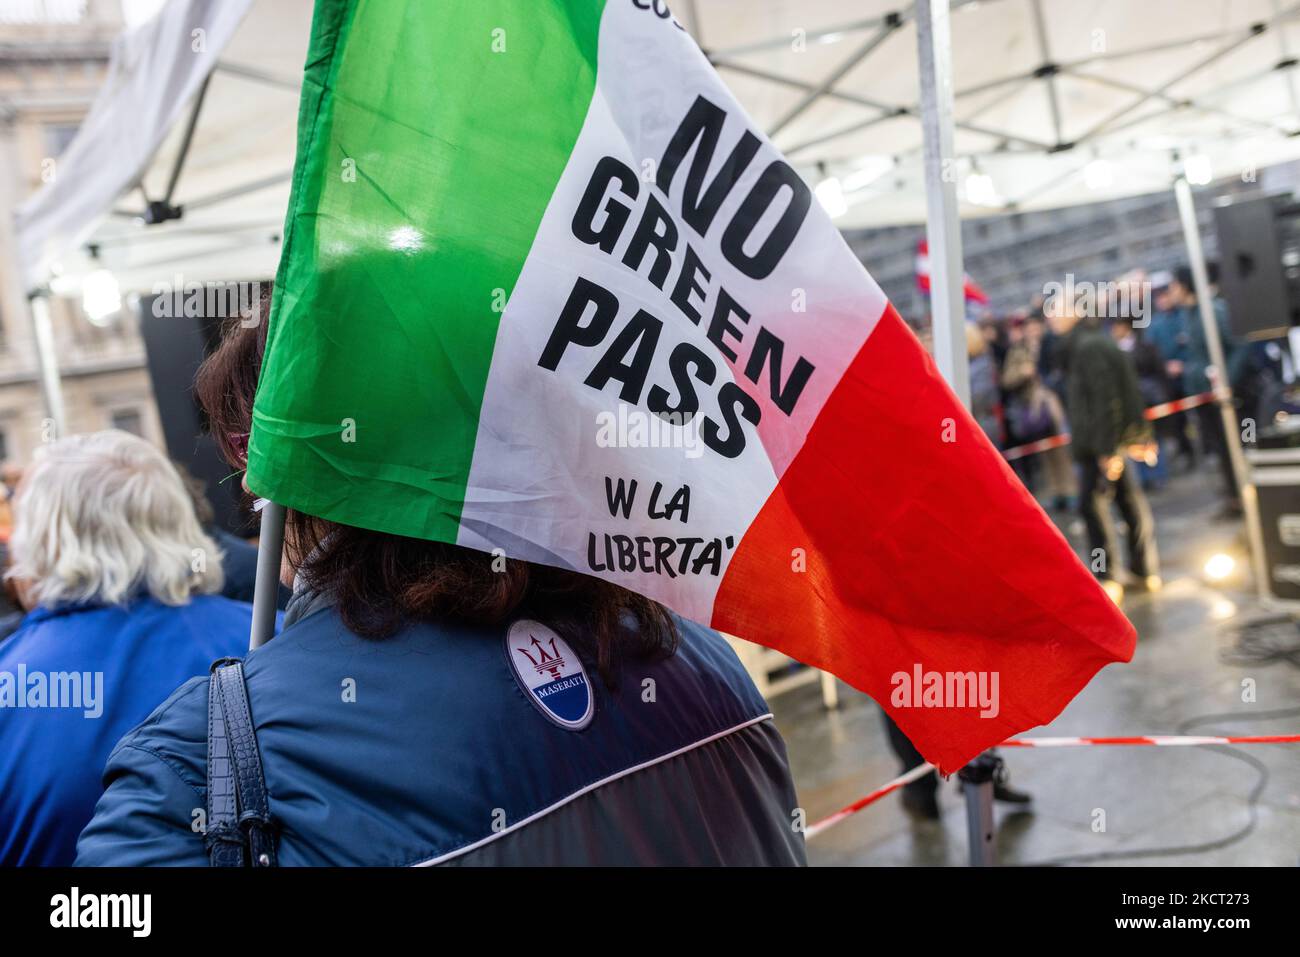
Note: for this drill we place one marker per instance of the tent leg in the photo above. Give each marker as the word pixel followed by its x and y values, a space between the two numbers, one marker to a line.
pixel 13 283
pixel 942 222
pixel 1221 384
pixel 266 588
pixel 47 362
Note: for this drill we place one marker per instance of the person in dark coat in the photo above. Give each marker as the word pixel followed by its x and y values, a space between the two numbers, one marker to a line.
pixel 430 704
pixel 119 583
pixel 1153 383
pixel 1107 422
pixel 1197 378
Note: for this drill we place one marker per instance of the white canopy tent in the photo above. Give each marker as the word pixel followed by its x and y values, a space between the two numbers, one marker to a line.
pixel 183 163
pixel 1056 102
pixel 897 110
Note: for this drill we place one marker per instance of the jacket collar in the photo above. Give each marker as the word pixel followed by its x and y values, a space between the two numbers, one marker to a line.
pixel 304 602
pixel 47 612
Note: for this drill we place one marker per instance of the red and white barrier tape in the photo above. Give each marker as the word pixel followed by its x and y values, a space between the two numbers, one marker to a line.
pixel 1181 405
pixel 919 771
pixel 1156 740
pixel 1042 445
pixel 1152 413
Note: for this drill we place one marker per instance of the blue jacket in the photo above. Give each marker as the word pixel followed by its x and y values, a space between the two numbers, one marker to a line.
pixel 1168 332
pixel 468 745
pixel 109 667
pixel 1236 353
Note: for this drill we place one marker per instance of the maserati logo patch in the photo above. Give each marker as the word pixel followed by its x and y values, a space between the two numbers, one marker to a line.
pixel 551 674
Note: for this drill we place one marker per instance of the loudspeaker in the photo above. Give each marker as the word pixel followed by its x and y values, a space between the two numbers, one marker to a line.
pixel 1253 237
pixel 174 348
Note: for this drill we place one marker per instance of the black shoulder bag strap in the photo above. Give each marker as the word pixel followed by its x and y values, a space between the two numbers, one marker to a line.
pixel 239 831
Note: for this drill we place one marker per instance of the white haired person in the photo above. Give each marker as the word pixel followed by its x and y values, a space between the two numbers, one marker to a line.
pixel 117 579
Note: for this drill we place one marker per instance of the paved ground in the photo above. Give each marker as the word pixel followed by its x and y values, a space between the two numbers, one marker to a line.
pixel 1152 798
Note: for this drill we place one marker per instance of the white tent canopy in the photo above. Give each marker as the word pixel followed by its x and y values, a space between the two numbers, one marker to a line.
pixel 232 187
pixel 1057 102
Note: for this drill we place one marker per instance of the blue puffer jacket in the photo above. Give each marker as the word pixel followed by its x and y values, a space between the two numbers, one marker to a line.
pixel 468 745
pixel 73 680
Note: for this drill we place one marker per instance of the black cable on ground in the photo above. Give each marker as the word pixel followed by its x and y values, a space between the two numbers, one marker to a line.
pixel 1252 799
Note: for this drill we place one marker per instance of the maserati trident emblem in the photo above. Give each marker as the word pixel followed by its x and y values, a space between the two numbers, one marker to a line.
pixel 550 674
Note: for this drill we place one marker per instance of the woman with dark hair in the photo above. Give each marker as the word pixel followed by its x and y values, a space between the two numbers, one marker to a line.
pixel 426 703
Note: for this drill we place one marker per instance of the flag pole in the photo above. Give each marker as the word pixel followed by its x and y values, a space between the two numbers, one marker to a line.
pixel 266 588
pixel 34 304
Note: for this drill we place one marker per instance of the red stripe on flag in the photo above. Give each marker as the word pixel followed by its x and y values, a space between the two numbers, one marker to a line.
pixel 919 552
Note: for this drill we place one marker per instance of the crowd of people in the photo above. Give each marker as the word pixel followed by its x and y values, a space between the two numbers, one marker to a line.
pixel 1054 369
pixel 1087 367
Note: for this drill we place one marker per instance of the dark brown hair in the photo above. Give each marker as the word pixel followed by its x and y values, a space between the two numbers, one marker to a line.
pixel 381 581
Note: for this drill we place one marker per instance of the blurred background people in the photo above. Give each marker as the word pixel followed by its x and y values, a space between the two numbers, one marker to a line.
pixel 238 557
pixel 1167 333
pixel 1196 367
pixel 1034 412
pixel 1106 422
pixel 11 613
pixel 1152 385
pixel 119 584
pixel 985 400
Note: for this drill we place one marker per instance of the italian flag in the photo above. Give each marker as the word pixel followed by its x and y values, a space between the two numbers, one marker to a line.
pixel 548 292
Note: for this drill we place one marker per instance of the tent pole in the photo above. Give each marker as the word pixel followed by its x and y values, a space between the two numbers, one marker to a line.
pixel 948 309
pixel 942 222
pixel 266 587
pixel 13 283
pixel 184 151
pixel 47 361
pixel 1220 381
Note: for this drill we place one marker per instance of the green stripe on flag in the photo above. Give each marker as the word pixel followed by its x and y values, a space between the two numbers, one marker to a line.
pixel 431 137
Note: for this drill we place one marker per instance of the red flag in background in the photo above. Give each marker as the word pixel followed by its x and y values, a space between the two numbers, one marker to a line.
pixel 970 287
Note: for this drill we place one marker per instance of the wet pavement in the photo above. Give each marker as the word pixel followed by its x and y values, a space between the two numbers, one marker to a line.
pixel 1184 802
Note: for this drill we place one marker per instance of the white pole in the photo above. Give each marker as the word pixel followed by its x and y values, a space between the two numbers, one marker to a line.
pixel 14 298
pixel 1220 381
pixel 942 222
pixel 948 303
pixel 47 361
pixel 266 586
